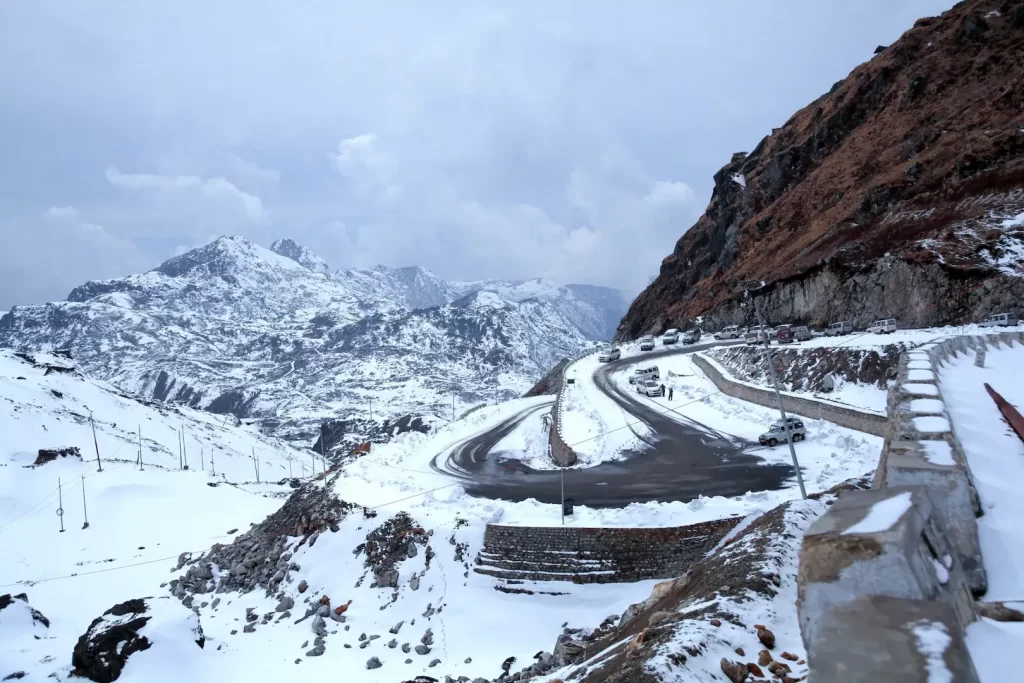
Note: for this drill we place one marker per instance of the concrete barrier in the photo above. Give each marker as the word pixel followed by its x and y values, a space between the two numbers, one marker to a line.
pixel 865 593
pixel 804 407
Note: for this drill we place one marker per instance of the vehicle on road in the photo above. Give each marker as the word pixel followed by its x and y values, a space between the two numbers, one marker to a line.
pixel 649 388
pixel 609 355
pixel 647 343
pixel 886 326
pixel 641 374
pixel 836 329
pixel 1000 320
pixel 784 333
pixel 777 433
pixel 802 333
pixel 691 337
pixel 671 336
pixel 756 335
pixel 730 332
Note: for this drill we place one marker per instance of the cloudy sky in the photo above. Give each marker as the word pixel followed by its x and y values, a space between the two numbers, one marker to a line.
pixel 574 140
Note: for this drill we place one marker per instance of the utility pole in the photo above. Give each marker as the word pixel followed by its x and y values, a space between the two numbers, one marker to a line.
pixel 775 383
pixel 140 448
pixel 180 465
pixel 323 454
pixel 371 409
pixel 60 504
pixel 289 465
pixel 213 465
pixel 85 511
pixel 202 458
pixel 184 451
pixel 95 443
pixel 453 406
pixel 256 464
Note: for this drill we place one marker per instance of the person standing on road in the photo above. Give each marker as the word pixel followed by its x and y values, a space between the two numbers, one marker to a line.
pixel 670 392
pixel 662 389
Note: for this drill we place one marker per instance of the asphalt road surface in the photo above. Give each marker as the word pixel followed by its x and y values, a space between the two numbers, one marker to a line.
pixel 681 461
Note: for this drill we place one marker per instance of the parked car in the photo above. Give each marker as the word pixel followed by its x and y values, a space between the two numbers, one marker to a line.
pixel 756 335
pixel 649 387
pixel 836 329
pixel 671 336
pixel 691 337
pixel 777 433
pixel 730 332
pixel 784 333
pixel 641 374
pixel 647 343
pixel 1000 320
pixel 886 326
pixel 802 333
pixel 609 355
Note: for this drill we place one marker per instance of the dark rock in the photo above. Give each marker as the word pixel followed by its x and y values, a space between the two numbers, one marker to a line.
pixel 373 663
pixel 735 671
pixel 406 647
pixel 249 628
pixel 103 650
pixel 975 27
pixel 285 604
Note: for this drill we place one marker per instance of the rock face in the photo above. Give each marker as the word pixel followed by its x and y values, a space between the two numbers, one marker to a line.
pixel 102 651
pixel 389 544
pixel 899 193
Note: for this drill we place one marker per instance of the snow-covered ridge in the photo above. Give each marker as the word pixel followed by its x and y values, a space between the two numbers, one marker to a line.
pixel 233 327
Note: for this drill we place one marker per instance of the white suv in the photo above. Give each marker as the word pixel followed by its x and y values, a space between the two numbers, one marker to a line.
pixel 887 326
pixel 647 343
pixel 1000 320
pixel 609 355
pixel 730 332
pixel 836 329
pixel 671 336
pixel 649 387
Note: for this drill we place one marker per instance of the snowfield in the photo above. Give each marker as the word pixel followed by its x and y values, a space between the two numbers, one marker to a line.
pixel 996 457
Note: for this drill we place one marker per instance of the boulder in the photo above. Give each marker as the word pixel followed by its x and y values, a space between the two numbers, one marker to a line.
pixel 103 650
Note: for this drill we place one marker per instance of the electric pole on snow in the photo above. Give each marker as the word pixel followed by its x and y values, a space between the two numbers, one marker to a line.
pixel 184 451
pixel 180 466
pixel 95 443
pixel 213 465
pixel 140 448
pixel 256 464
pixel 371 409
pixel 202 458
pixel 748 289
pixel 85 510
pixel 60 504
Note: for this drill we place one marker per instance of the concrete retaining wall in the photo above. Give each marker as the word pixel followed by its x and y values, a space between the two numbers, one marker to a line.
pixel 872 566
pixel 596 555
pixel 795 405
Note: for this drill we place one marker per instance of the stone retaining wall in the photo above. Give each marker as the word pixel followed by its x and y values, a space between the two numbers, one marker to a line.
pixel 561 452
pixel 795 405
pixel 596 555
pixel 879 560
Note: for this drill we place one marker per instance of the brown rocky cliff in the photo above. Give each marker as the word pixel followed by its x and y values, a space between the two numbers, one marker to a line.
pixel 893 195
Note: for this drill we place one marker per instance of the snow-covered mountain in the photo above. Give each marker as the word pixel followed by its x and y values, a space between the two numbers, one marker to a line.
pixel 233 327
pixel 597 311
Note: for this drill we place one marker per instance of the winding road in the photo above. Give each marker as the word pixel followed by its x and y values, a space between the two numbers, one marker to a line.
pixel 682 460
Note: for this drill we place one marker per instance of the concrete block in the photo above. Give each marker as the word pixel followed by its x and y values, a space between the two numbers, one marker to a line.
pixel 933 465
pixel 881 638
pixel 885 541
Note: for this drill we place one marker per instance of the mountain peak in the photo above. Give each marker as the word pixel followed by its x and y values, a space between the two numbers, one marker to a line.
pixel 289 248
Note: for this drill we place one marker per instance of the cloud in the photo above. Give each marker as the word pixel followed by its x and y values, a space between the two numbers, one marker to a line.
pixel 370 171
pixel 61 212
pixel 212 188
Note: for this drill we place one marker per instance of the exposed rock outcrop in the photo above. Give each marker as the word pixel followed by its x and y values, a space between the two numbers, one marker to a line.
pixel 103 650
pixel 899 193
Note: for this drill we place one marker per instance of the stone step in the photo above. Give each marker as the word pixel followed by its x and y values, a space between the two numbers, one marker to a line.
pixel 553 566
pixel 583 577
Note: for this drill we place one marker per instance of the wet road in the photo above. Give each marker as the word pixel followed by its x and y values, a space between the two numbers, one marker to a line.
pixel 681 460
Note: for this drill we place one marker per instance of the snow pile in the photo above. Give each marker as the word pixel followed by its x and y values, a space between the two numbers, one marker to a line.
pixel 593 425
pixel 995 456
pixel 21 629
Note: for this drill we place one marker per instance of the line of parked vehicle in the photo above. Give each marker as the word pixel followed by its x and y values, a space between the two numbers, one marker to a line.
pixel 786 334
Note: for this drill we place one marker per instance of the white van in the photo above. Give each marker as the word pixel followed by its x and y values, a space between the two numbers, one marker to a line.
pixel 836 329
pixel 641 374
pixel 887 326
pixel 730 332
pixel 1000 320
pixel 671 336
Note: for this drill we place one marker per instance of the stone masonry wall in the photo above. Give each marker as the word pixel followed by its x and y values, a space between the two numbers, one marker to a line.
pixel 795 405
pixel 596 555
pixel 865 590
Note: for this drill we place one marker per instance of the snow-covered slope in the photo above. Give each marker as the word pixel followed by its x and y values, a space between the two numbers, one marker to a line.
pixel 232 327
pixel 595 310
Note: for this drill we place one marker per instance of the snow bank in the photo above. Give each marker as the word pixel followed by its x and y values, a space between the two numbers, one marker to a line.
pixel 995 456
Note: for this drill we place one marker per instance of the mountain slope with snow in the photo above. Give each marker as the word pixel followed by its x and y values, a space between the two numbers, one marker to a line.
pixel 234 328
